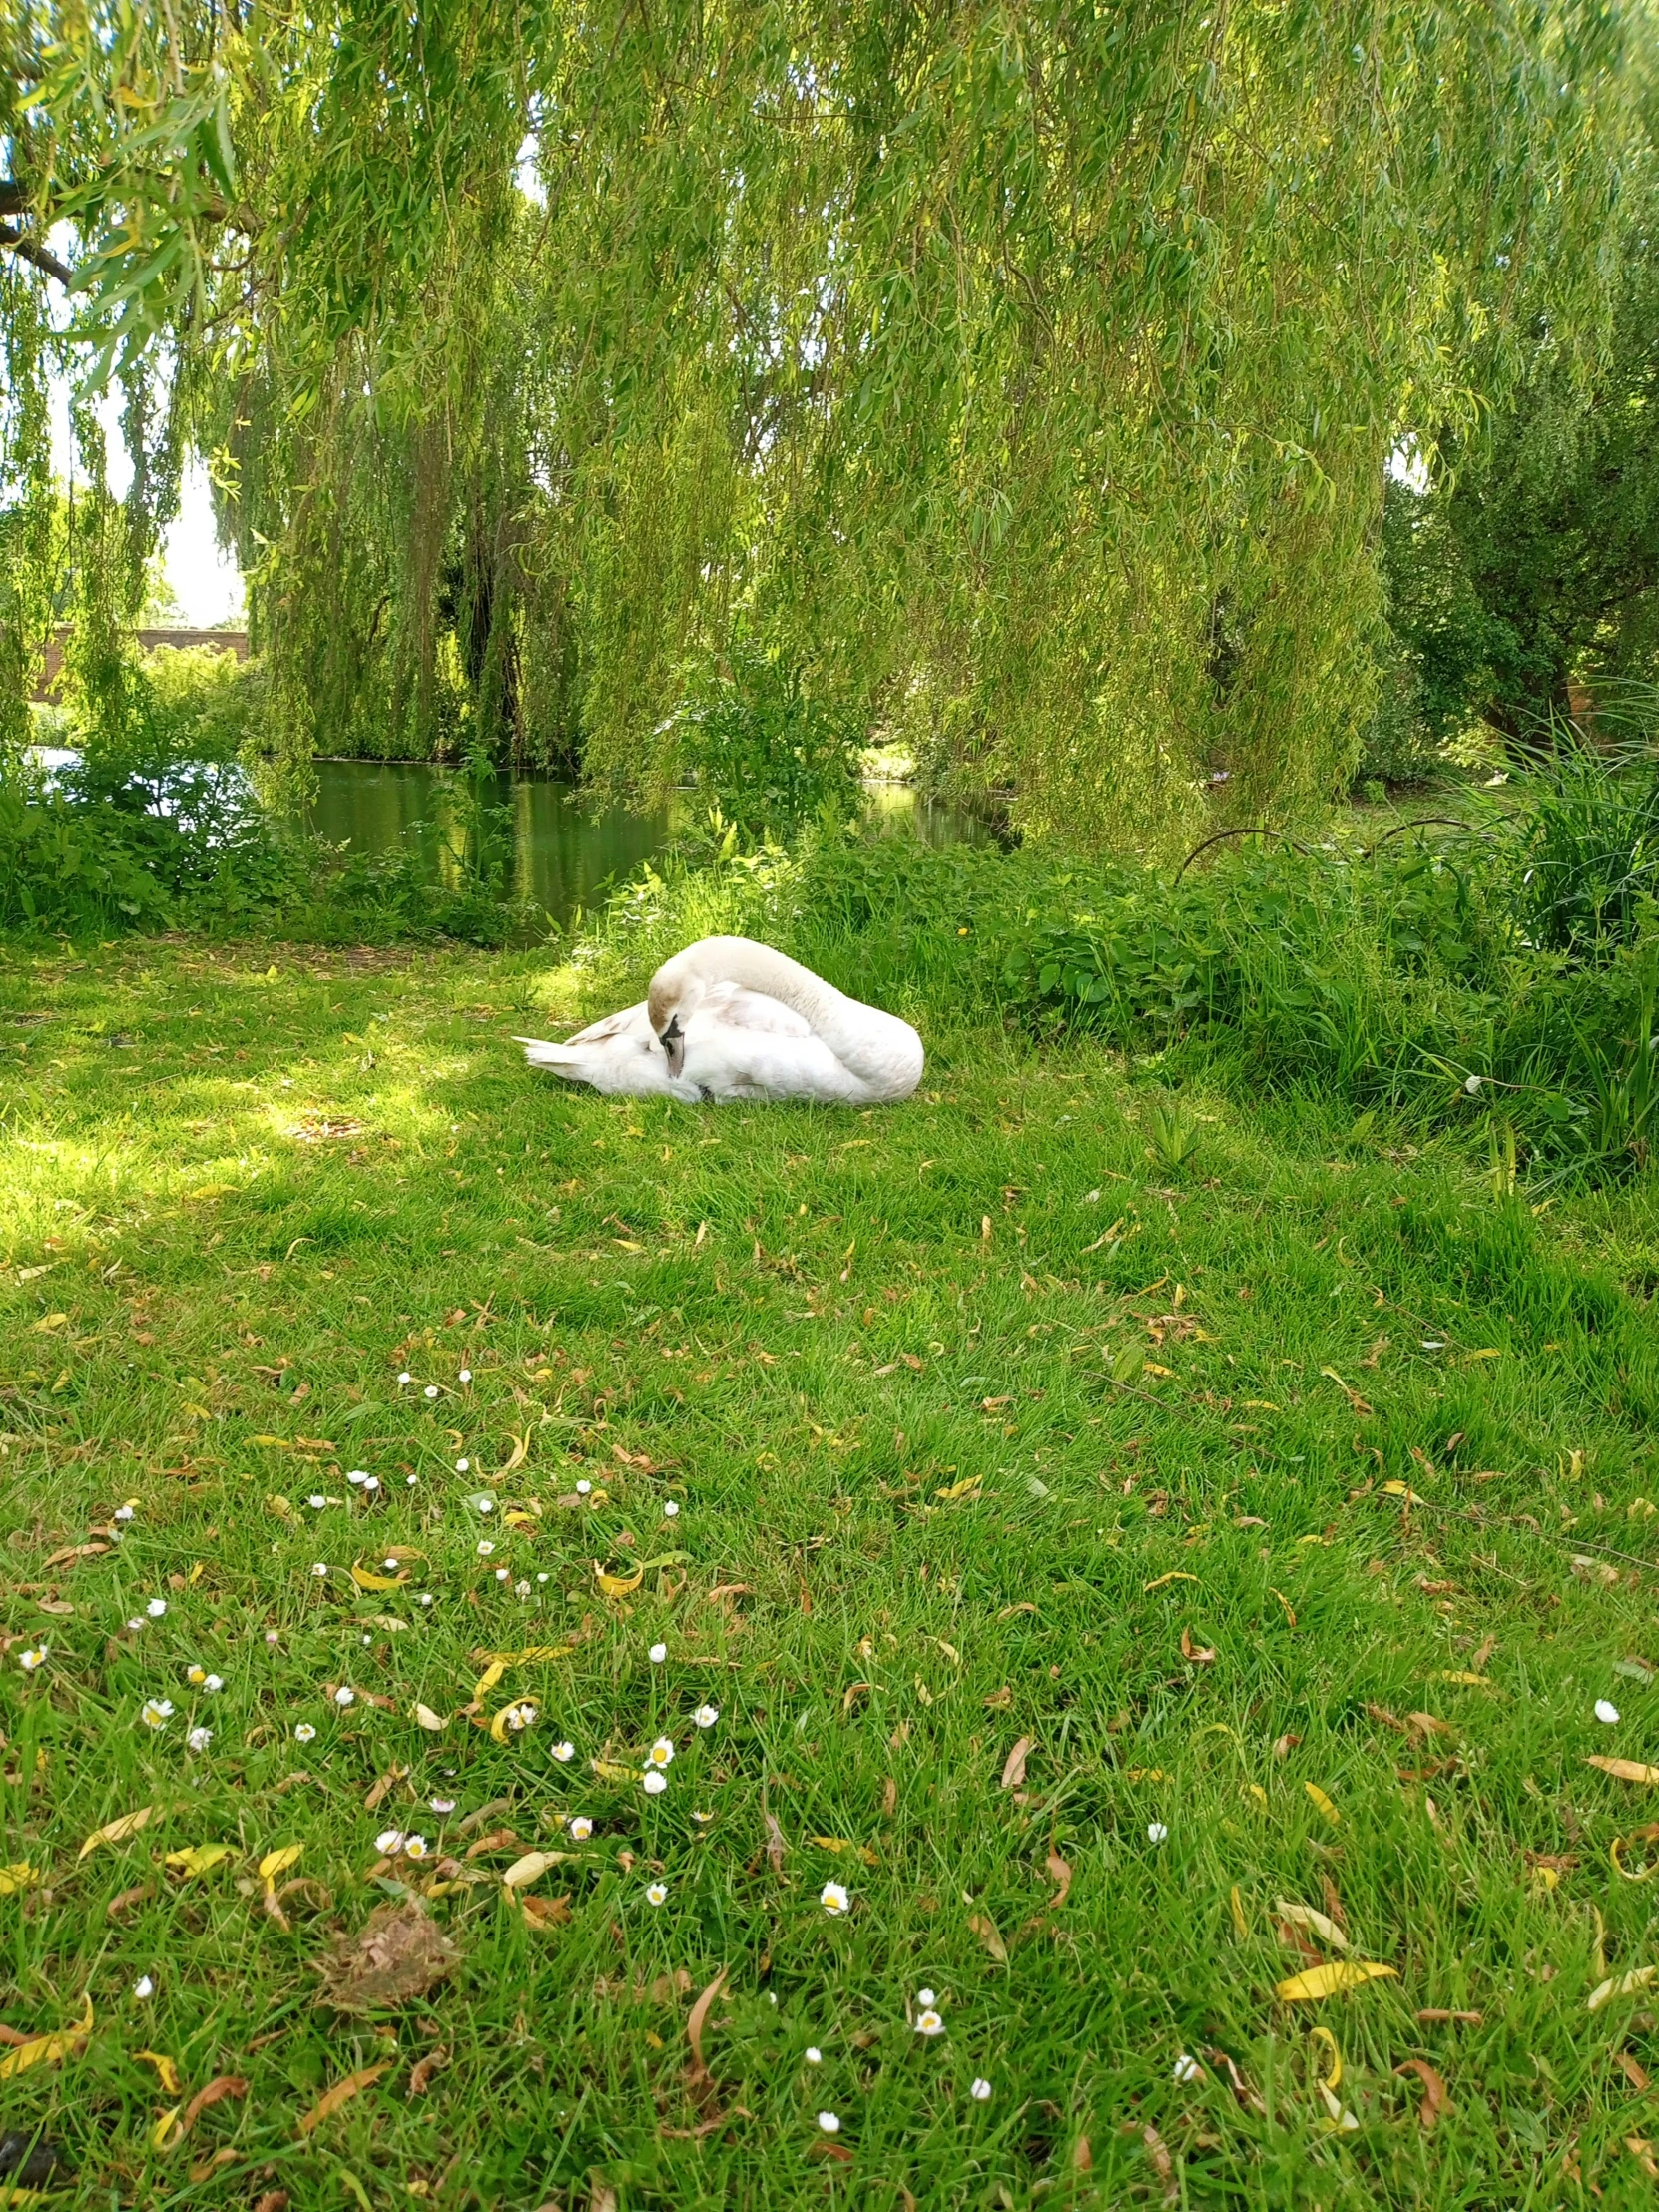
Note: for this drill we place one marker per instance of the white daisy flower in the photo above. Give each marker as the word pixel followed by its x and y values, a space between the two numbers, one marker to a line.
pixel 504 1574
pixel 357 1476
pixel 124 1512
pixel 416 1848
pixel 583 1488
pixel 929 2022
pixel 135 1625
pixel 425 1597
pixel 815 2058
pixel 406 1377
pixel 411 1482
pixel 657 1892
pixel 581 1827
pixel 520 1716
pixel 485 1547
pixel 304 1732
pixel 660 1753
pixel 273 1636
pixel 144 1987
pixel 926 1996
pixel 1156 1832
pixel 544 1578
pixel 199 1739
pixel 705 1716
pixel 370 1482
pixel 1187 2069
pixel 441 1804
pixel 655 1781
pixel 486 1506
pixel 1607 1712
pixel 390 1840
pixel 30 1660
pixel 979 2090
pixel 657 1654
pixel 321 1571
pixel 156 1712
pixel 156 1608
pixel 829 2122
pixel 316 1502
pixel 521 1588
pixel 671 1510
pixel 564 1753
pixel 431 1389
pixel 195 1676
pixel 465 1375
pixel 833 1897
pixel 212 1683
pixel 463 1466
pixel 702 1819
pixel 345 1695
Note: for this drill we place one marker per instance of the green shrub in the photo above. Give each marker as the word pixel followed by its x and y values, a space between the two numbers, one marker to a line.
pixel 199 704
pixel 763 748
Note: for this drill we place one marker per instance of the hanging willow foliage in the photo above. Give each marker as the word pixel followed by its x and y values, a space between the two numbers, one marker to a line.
pixel 1023 377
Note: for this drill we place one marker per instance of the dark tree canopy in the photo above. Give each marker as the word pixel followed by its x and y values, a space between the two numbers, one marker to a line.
pixel 1020 378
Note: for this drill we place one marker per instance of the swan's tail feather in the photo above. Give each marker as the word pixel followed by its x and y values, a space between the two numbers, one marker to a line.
pixel 561 1058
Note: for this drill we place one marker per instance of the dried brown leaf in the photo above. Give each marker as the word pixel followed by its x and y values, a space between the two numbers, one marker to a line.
pixel 342 2093
pixel 1013 1766
pixel 700 2074
pixel 1632 2069
pixel 421 2072
pixel 217 2092
pixel 986 1929
pixel 1162 2163
pixel 1059 1873
pixel 397 1955
pixel 776 1845
pixel 1435 2099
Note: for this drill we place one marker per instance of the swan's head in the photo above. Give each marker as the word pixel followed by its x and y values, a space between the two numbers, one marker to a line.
pixel 674 999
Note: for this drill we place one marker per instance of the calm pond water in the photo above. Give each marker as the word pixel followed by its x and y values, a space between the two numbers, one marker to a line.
pixel 565 851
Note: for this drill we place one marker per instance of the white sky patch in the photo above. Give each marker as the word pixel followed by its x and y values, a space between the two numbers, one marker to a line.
pixel 1407 465
pixel 204 579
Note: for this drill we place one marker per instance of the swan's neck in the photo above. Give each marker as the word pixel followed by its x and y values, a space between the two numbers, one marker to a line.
pixel 859 1035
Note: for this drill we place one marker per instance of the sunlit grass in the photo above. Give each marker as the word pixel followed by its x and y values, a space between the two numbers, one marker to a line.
pixel 903 1377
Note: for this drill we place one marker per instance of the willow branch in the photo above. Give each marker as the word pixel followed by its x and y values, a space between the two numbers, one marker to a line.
pixel 42 256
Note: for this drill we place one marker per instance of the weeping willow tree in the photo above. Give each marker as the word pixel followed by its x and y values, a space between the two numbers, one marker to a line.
pixel 1022 377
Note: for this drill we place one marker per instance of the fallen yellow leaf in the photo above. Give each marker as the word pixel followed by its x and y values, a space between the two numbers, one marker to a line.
pixel 609 1771
pixel 1236 1903
pixel 1319 1798
pixel 961 1489
pixel 164 2128
pixel 19 1876
pixel 520 1452
pixel 278 1861
pixel 427 1718
pixel 342 2093
pixel 487 1680
pixel 1624 1770
pixel 46 2050
pixel 1330 1981
pixel 1303 1916
pixel 1620 1985
pixel 527 1868
pixel 1175 1575
pixel 198 1858
pixel 116 1832
pixel 166 2073
pixel 618 1585
pixel 1403 1490
pixel 367 1579
pixel 842 1843
pixel 527 1657
pixel 1468 1681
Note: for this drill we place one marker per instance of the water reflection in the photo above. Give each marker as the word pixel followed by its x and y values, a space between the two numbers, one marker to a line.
pixel 565 851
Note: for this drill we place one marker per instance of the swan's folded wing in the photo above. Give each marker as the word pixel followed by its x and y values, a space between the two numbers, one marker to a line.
pixel 632 1019
pixel 754 1010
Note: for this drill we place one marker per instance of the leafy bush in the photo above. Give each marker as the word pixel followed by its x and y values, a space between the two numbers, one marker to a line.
pixel 763 748
pixel 199 704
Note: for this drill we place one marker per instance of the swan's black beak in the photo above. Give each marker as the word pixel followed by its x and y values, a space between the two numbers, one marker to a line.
pixel 673 1041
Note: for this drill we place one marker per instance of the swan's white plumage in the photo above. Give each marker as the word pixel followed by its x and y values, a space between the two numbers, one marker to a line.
pixel 733 1040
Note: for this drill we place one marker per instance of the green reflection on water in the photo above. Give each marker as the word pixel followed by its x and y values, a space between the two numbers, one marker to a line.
pixel 564 852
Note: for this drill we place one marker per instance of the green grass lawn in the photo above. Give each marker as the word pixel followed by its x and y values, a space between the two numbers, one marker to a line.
pixel 1088 1561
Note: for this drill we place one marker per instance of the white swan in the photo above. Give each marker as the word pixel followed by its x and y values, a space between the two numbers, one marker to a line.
pixel 728 1018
